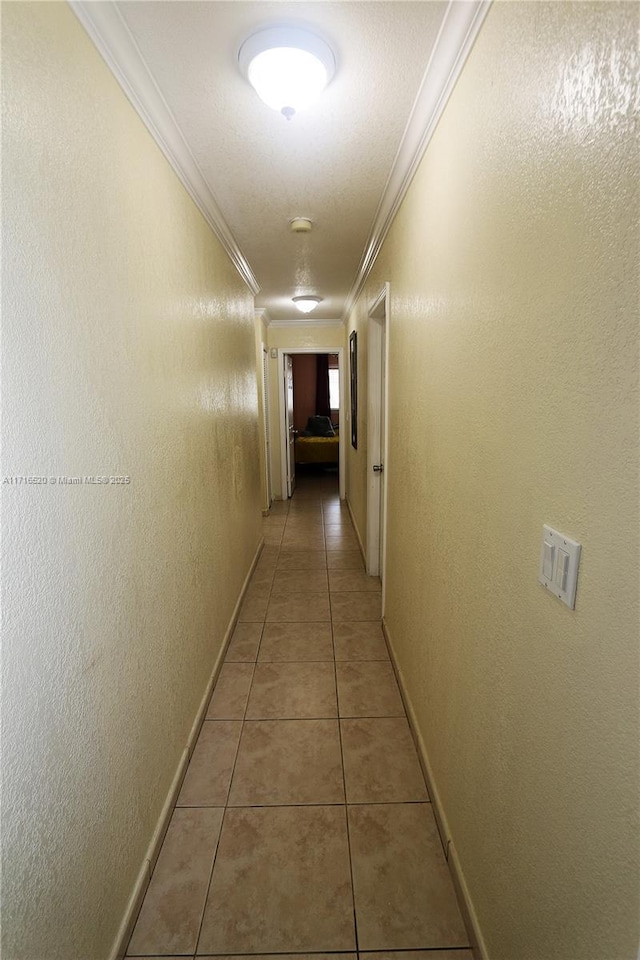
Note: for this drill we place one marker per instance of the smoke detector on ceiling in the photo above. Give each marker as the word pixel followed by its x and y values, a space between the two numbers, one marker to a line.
pixel 301 225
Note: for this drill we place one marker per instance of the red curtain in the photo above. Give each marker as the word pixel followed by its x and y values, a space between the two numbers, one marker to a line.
pixel 322 385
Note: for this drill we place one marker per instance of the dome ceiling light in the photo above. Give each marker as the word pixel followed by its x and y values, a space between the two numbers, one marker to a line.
pixel 306 304
pixel 288 67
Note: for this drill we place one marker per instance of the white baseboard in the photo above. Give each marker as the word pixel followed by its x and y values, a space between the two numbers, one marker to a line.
pixel 133 908
pixel 469 915
pixel 357 532
pixel 465 903
pixel 144 876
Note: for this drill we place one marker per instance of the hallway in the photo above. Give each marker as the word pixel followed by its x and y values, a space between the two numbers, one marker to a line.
pixel 469 176
pixel 263 855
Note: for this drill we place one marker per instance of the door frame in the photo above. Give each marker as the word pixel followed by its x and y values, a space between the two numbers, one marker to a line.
pixel 377 439
pixel 289 465
pixel 282 351
pixel 265 426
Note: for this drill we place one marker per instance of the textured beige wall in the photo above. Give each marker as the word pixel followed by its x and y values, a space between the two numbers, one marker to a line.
pixel 128 350
pixel 514 402
pixel 312 336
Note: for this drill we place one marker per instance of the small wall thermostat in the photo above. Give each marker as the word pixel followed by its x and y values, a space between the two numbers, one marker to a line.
pixel 274 353
pixel 559 560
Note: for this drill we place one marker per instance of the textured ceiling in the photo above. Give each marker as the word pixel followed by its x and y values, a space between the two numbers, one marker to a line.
pixel 329 163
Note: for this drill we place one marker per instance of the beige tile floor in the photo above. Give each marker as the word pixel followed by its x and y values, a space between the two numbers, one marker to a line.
pixel 303 827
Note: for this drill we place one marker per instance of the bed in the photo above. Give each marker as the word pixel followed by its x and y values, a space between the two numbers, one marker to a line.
pixel 319 443
pixel 317 450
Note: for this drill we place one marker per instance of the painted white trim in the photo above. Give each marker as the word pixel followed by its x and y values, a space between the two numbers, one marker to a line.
pixel 379 303
pixel 282 424
pixel 478 945
pixel 377 445
pixel 375 453
pixel 357 532
pixel 132 910
pixel 285 440
pixel 263 314
pixel 342 455
pixel 460 27
pixel 115 43
pixel 469 915
pixel 385 440
pixel 143 879
pixel 301 324
pixel 342 446
pixel 265 425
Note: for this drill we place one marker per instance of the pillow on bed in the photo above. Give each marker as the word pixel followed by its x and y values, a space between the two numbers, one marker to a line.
pixel 320 427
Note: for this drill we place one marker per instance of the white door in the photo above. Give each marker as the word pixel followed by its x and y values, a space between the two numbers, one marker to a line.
pixel 377 436
pixel 291 434
pixel 266 424
pixel 383 448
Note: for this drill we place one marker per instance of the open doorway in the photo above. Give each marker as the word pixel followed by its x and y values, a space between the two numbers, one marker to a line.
pixel 311 408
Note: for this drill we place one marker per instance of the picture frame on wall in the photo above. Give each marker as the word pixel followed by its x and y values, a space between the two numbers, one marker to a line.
pixel 353 372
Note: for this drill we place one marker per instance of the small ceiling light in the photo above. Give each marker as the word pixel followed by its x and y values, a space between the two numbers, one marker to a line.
pixel 288 67
pixel 306 304
pixel 301 225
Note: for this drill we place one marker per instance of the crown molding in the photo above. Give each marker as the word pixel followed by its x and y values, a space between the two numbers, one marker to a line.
pixel 460 27
pixel 305 324
pixel 263 314
pixel 110 34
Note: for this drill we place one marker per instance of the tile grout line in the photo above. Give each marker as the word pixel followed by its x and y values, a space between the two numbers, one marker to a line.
pixel 344 781
pixel 336 716
pixel 226 804
pixel 263 621
pixel 318 803
pixel 211 806
pixel 310 953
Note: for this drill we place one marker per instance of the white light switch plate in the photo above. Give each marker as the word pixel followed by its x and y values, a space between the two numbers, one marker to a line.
pixel 559 560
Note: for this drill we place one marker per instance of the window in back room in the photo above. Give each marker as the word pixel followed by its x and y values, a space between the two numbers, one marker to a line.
pixel 334 389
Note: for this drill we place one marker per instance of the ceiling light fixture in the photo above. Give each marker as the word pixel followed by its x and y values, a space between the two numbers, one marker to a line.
pixel 288 67
pixel 306 304
pixel 301 225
